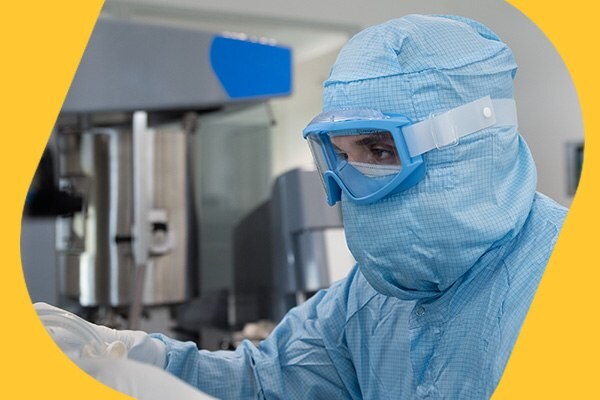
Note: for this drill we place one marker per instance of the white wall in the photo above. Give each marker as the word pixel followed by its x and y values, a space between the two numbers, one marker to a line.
pixel 549 112
pixel 293 113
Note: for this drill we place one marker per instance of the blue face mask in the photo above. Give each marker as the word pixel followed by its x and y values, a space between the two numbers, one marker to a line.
pixel 353 147
pixel 417 243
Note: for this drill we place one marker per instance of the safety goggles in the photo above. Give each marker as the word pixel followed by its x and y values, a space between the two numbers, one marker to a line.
pixel 370 155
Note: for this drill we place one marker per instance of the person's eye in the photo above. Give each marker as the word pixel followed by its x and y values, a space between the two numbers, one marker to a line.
pixel 382 153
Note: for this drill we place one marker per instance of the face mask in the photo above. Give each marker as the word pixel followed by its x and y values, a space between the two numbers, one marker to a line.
pixel 417 243
pixel 374 170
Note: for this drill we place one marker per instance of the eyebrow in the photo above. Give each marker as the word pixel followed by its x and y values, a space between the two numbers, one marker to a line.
pixel 368 139
pixel 374 138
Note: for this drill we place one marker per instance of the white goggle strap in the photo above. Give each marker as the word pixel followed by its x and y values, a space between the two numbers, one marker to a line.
pixel 445 129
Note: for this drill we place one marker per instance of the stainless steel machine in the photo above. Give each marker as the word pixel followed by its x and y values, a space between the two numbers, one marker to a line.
pixel 125 156
pixel 134 181
pixel 287 249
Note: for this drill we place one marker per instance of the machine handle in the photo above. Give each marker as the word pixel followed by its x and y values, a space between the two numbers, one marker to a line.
pixel 143 154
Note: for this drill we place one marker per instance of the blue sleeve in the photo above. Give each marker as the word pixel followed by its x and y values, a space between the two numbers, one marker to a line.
pixel 295 362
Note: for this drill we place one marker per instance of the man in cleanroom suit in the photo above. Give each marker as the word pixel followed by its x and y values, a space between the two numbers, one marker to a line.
pixel 450 237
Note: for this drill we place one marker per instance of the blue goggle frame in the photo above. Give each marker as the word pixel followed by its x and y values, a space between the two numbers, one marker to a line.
pixel 338 172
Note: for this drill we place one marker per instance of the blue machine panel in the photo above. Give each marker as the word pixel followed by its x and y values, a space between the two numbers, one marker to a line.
pixel 131 65
pixel 249 69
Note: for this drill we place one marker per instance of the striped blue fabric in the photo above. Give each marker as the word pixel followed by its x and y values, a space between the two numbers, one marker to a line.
pixel 445 271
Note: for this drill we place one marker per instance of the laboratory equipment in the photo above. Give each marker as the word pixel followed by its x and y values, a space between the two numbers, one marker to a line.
pixel 287 249
pixel 124 147
pixel 574 150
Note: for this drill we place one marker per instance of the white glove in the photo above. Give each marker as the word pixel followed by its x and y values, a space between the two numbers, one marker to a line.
pixel 79 338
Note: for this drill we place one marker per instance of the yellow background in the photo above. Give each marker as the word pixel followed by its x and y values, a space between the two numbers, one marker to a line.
pixel 557 353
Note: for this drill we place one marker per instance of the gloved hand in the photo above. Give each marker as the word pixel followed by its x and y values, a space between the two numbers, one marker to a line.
pixel 76 336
